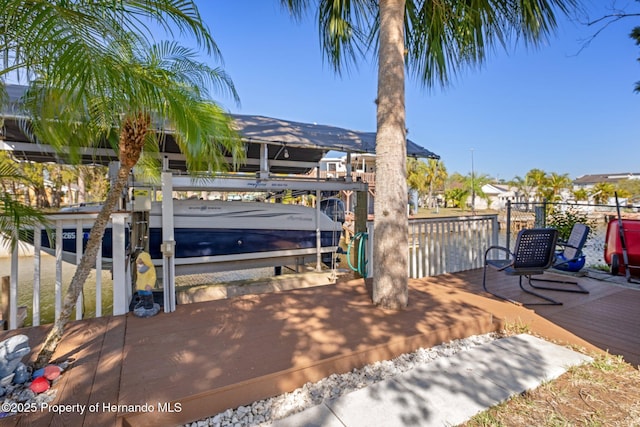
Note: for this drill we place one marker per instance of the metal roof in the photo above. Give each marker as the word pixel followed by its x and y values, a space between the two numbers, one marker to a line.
pixel 304 142
pixel 312 135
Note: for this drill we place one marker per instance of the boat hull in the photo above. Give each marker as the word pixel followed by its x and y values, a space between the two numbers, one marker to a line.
pixel 204 230
pixel 193 242
pixel 69 243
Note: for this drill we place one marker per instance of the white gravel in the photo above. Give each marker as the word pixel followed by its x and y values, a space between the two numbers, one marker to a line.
pixel 263 412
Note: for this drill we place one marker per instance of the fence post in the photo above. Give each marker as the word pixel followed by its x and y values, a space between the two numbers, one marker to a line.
pixel 5 301
pixel 508 242
pixel 120 301
pixel 37 265
pixel 495 231
pixel 540 212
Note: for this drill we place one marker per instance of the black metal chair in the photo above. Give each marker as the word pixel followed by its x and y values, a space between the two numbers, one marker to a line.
pixel 533 254
pixel 567 259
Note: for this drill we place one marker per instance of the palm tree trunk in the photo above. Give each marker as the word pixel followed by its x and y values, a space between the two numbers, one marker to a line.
pixel 87 262
pixel 390 279
pixel 132 137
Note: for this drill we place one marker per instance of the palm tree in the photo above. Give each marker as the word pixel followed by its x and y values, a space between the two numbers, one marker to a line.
pixel 580 194
pixel 101 81
pixel 436 176
pixel 558 182
pixel 417 178
pixel 602 192
pixel 436 38
pixel 522 189
pixel 537 180
pixel 15 217
pixel 457 196
pixel 473 184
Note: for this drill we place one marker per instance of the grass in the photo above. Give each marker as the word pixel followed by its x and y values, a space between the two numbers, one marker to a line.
pixel 602 393
pixel 516 327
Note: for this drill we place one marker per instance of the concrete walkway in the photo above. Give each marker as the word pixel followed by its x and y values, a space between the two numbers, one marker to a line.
pixel 449 390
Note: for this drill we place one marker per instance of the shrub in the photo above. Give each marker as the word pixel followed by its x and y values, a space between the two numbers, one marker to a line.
pixel 563 221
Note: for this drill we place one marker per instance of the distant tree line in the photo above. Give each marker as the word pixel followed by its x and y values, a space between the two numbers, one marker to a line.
pixel 52 185
pixel 432 183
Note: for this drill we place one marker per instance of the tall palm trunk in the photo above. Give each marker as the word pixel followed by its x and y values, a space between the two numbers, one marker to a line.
pixel 132 139
pixel 390 280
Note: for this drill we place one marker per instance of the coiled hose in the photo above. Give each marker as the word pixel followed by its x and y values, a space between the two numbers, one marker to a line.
pixel 361 262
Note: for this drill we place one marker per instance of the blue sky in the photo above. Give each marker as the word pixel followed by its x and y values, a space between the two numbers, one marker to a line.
pixel 555 108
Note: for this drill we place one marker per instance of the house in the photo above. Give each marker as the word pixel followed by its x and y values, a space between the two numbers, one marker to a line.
pixel 363 166
pixel 587 182
pixel 496 197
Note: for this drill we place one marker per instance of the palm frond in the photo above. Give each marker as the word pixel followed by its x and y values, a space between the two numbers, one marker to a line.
pixel 444 37
pixel 18 220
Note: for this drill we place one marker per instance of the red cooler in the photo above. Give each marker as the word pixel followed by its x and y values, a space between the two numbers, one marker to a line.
pixel 613 247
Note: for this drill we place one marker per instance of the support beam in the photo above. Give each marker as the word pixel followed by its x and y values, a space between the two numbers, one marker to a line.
pixel 120 282
pixel 168 245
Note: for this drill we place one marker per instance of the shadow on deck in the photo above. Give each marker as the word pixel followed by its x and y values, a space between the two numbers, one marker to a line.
pixel 210 356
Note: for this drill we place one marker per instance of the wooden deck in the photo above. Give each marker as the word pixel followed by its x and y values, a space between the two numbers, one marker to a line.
pixel 207 357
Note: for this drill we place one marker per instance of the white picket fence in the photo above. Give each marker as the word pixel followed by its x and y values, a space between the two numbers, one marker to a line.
pixel 436 246
pixel 121 288
pixel 445 245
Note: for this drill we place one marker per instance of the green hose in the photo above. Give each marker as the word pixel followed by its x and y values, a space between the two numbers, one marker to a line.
pixel 361 267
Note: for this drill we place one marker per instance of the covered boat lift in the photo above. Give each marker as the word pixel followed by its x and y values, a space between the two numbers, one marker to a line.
pixel 280 155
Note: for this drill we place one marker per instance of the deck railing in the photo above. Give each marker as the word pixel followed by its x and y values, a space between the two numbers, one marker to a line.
pixel 446 245
pixel 368 177
pixel 436 246
pixel 121 289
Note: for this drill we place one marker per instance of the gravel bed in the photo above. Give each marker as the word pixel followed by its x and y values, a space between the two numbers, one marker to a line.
pixel 264 412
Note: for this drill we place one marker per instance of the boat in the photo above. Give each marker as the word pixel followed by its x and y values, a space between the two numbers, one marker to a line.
pixel 622 247
pixel 216 230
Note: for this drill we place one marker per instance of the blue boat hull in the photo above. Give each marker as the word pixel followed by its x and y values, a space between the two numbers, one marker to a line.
pixel 69 241
pixel 193 243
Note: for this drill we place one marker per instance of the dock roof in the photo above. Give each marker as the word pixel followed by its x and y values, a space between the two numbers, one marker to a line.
pixel 304 142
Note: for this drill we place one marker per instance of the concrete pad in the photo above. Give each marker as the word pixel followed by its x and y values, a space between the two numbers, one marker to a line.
pixel 507 367
pixel 538 349
pixel 454 393
pixel 452 389
pixel 317 416
pixel 384 404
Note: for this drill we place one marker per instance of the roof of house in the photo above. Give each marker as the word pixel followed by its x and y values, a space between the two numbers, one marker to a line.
pixel 495 189
pixel 611 177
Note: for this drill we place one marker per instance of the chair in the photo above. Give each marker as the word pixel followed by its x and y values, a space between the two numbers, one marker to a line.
pixel 569 260
pixel 533 254
pixel 571 257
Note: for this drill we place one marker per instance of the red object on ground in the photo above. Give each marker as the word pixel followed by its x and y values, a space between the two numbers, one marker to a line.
pixel 39 385
pixel 51 372
pixel 613 247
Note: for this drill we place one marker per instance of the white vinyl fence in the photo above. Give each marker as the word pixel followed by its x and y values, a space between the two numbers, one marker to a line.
pixel 62 224
pixel 436 246
pixel 445 245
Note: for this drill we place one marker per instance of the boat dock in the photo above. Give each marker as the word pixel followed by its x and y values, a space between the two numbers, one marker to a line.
pixel 209 356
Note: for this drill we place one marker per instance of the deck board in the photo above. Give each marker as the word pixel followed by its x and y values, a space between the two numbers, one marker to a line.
pixel 209 356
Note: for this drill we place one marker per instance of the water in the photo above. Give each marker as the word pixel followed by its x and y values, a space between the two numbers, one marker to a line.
pixel 594 251
pixel 48 279
pixel 47 287
pixel 594 248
